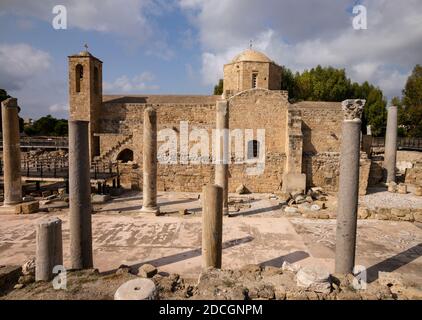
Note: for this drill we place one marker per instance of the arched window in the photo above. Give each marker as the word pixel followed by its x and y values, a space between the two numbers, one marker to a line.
pixel 96 81
pixel 125 156
pixel 253 149
pixel 79 74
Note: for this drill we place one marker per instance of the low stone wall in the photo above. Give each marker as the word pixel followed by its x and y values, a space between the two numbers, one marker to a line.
pixel 414 175
pixel 394 214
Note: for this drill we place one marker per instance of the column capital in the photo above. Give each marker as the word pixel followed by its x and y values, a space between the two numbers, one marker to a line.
pixel 10 103
pixel 352 108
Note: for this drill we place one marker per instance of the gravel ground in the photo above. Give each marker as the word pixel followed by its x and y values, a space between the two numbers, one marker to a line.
pixel 384 199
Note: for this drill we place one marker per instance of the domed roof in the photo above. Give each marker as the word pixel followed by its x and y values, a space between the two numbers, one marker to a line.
pixel 251 55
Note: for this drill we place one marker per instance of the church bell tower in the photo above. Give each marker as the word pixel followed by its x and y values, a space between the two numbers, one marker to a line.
pixel 85 93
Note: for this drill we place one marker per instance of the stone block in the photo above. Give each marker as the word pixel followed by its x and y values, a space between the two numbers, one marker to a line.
pixel 417 215
pixel 399 212
pixel 100 198
pixel 418 191
pixel 147 271
pixel 293 182
pixel 30 207
pixel 363 213
pixel 392 187
pixel 402 188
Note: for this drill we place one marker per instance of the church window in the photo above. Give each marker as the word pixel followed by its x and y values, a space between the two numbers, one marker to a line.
pixel 96 81
pixel 79 74
pixel 253 149
pixel 254 80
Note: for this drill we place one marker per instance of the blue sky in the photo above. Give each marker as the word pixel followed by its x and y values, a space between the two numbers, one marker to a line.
pixel 180 46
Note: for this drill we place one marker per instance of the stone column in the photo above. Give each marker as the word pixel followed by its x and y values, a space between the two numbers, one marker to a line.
pixel 149 191
pixel 49 252
pixel 223 159
pixel 80 196
pixel 390 150
pixel 212 226
pixel 348 192
pixel 11 152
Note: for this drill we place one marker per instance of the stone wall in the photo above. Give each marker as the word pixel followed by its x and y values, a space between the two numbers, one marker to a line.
pixel 238 76
pixel 323 170
pixel 414 175
pixel 250 109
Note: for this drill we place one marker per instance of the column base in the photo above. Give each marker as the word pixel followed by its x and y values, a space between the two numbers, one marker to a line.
pixel 11 208
pixel 154 210
pixel 225 211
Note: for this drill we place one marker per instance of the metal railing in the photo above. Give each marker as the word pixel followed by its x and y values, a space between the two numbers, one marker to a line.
pixel 402 143
pixel 42 143
pixel 58 168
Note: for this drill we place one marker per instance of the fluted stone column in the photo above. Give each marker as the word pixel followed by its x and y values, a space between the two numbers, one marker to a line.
pixel 149 192
pixel 390 151
pixel 80 196
pixel 348 192
pixel 212 226
pixel 11 152
pixel 222 161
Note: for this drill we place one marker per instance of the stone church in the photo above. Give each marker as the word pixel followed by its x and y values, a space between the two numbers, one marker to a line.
pixel 302 140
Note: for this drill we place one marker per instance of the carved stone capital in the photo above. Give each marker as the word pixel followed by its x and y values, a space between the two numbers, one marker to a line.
pixel 352 108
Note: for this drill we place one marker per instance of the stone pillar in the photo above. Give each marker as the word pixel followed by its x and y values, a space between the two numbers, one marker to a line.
pixel 390 151
pixel 212 226
pixel 149 191
pixel 348 186
pixel 11 152
pixel 223 159
pixel 80 196
pixel 293 178
pixel 49 252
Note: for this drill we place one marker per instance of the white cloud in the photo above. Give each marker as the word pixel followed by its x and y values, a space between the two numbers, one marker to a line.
pixel 58 108
pixel 126 84
pixel 130 19
pixel 19 63
pixel 29 74
pixel 302 34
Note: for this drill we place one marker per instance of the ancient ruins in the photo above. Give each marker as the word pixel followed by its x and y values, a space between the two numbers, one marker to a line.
pixel 253 197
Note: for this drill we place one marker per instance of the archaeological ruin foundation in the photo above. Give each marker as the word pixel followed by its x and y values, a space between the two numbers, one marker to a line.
pixel 248 194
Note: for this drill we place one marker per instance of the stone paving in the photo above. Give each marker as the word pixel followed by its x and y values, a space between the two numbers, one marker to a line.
pixel 259 234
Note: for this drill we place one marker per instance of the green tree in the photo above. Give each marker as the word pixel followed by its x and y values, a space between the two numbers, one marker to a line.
pixel 323 84
pixel 288 83
pixel 330 84
pixel 412 103
pixel 48 126
pixel 218 88
pixel 61 128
